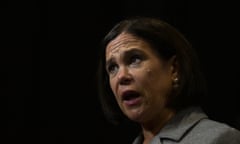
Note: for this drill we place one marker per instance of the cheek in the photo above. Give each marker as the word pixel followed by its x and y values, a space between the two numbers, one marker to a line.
pixel 156 79
pixel 144 77
pixel 112 85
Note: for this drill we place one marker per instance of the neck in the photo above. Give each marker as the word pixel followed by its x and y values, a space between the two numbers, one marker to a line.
pixel 152 127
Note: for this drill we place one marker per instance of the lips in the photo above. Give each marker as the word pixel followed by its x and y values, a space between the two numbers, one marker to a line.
pixel 131 98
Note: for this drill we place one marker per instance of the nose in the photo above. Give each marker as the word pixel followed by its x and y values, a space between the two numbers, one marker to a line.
pixel 124 76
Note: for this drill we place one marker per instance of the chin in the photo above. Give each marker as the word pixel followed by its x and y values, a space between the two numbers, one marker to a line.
pixel 135 115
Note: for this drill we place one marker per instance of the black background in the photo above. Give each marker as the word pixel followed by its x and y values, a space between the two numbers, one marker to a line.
pixel 53 57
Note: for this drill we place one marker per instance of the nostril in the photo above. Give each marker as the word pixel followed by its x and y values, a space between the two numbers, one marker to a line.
pixel 124 80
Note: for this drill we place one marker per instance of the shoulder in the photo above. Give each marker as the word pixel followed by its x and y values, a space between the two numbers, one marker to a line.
pixel 193 124
pixel 217 132
pixel 214 126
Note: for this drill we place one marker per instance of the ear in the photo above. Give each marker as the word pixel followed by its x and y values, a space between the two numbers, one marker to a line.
pixel 174 67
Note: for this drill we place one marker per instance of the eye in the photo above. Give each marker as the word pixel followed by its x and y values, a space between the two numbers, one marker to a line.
pixel 112 68
pixel 135 59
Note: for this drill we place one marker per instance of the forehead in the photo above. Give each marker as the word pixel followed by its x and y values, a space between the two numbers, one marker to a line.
pixel 125 41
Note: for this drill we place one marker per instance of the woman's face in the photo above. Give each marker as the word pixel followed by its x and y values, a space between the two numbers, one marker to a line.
pixel 139 79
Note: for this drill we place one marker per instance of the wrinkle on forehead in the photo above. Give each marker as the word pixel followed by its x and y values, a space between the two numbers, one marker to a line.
pixel 124 40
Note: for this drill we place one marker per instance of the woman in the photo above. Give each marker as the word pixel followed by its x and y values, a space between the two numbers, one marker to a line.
pixel 149 74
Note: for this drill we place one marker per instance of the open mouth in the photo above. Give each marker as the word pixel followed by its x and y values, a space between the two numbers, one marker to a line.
pixel 129 95
pixel 131 98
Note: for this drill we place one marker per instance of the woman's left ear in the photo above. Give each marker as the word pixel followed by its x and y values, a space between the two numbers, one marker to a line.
pixel 174 66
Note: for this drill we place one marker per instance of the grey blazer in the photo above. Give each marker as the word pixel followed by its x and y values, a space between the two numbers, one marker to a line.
pixel 192 126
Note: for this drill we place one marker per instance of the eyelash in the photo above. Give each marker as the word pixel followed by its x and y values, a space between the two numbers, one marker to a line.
pixel 132 60
pixel 111 68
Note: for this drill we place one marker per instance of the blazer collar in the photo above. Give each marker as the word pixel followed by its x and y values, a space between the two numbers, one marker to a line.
pixel 181 123
pixel 176 128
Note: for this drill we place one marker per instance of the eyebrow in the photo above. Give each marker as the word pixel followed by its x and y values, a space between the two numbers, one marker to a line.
pixel 126 53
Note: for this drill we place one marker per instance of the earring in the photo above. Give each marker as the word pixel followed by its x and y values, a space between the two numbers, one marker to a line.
pixel 175 82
